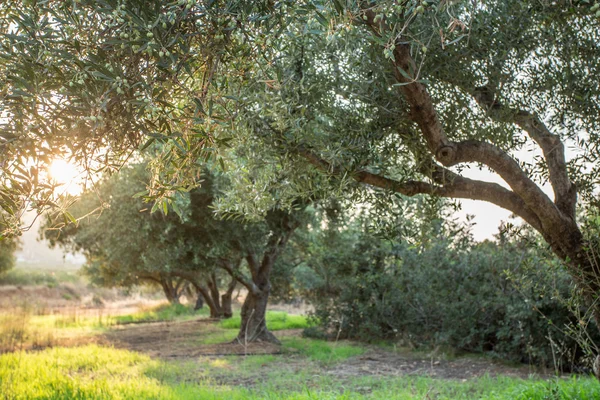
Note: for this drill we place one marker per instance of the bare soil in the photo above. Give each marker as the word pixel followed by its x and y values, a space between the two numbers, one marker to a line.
pixel 378 362
pixel 180 341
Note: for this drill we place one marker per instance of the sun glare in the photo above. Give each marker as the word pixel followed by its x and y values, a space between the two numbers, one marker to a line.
pixel 65 174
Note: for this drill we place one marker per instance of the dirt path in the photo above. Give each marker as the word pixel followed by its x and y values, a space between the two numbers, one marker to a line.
pixel 169 340
pixel 183 341
pixel 378 362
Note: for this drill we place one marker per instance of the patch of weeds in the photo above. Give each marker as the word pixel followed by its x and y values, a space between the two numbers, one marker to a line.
pixel 175 372
pixel 315 332
pixel 14 331
pixel 219 336
pixel 276 321
pixel 323 351
pixel 257 361
pixel 486 388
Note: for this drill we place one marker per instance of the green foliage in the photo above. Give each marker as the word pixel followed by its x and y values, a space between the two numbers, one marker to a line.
pixel 276 320
pixel 508 299
pixel 8 246
pixel 158 247
pixel 323 351
pixel 164 312
pixel 123 72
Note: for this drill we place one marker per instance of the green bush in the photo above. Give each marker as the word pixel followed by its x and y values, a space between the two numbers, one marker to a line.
pixel 505 300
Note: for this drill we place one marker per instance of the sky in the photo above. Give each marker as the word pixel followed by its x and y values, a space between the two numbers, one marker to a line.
pixel 487 216
pixel 38 253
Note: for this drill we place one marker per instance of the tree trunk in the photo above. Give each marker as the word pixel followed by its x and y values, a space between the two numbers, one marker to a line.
pixel 191 292
pixel 254 310
pixel 226 299
pixel 213 292
pixel 199 301
pixel 215 309
pixel 169 290
pixel 254 326
pixel 584 267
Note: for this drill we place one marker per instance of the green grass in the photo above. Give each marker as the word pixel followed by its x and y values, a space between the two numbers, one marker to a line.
pixel 305 370
pixel 93 372
pixel 276 321
pixel 218 336
pixel 163 312
pixel 323 351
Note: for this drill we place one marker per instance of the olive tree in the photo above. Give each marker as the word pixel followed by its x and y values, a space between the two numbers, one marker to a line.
pixel 405 96
pixel 401 96
pixel 125 244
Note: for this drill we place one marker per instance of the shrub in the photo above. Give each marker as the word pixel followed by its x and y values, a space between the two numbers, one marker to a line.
pixel 503 299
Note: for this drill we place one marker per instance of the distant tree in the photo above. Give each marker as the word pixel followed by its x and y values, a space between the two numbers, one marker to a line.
pixel 126 244
pixel 8 246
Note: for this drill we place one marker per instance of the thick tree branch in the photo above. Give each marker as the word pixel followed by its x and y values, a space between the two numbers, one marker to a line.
pixel 149 278
pixel 509 170
pixel 450 153
pixel 274 248
pixel 249 284
pixel 449 185
pixel 565 194
pixel 252 264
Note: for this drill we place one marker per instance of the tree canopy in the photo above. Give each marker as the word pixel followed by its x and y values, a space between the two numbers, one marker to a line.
pixel 323 81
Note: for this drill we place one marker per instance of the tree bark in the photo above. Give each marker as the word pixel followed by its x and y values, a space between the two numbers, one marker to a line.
pixel 554 219
pixel 254 323
pixel 203 291
pixel 254 311
pixel 215 308
pixel 199 301
pixel 213 289
pixel 226 301
pixel 169 290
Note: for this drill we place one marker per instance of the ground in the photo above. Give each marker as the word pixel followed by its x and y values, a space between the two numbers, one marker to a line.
pixel 185 341
pixel 187 353
pixel 203 337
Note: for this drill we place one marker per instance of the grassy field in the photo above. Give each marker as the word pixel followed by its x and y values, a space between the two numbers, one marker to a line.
pixel 93 372
pixel 304 369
